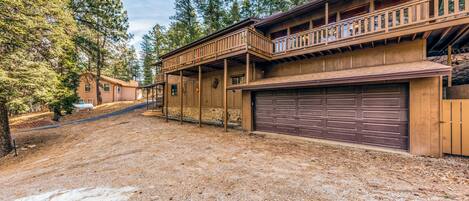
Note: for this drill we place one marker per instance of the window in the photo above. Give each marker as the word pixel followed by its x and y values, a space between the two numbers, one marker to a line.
pixel 299 28
pixel 174 90
pixel 237 79
pixel 87 87
pixel 106 87
pixel 90 101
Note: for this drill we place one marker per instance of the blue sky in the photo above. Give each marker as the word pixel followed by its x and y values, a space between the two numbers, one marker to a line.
pixel 144 14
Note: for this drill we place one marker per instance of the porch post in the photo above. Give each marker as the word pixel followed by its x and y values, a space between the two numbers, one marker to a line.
pixel 156 96
pixel 327 21
pixel 200 96
pixel 166 88
pixel 225 98
pixel 147 97
pixel 181 94
pixel 372 6
pixel 450 63
pixel 248 70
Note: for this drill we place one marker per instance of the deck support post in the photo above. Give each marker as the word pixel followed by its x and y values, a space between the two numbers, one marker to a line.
pixel 167 97
pixel 225 95
pixel 450 63
pixel 147 97
pixel 181 94
pixel 248 68
pixel 200 96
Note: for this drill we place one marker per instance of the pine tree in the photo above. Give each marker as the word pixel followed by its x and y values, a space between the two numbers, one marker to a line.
pixel 247 9
pixel 187 17
pixel 103 23
pixel 212 12
pixel 37 57
pixel 234 15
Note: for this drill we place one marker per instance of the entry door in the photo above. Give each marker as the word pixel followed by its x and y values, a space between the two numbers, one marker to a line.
pixel 370 114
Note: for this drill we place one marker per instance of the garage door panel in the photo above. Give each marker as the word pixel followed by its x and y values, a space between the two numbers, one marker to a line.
pixel 311 123
pixel 311 132
pixel 342 113
pixel 341 136
pixel 310 112
pixel 342 125
pixel 348 102
pixel 382 102
pixel 372 114
pixel 383 115
pixel 385 141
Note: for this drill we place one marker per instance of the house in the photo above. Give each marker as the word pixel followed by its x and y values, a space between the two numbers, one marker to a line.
pixel 112 90
pixel 350 71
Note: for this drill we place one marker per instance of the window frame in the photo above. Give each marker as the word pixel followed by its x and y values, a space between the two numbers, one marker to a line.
pixel 108 87
pixel 174 90
pixel 87 87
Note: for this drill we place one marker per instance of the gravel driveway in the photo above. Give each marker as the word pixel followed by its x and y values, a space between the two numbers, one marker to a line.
pixel 168 161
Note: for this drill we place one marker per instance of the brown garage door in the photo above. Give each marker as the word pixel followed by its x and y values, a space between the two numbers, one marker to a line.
pixel 371 114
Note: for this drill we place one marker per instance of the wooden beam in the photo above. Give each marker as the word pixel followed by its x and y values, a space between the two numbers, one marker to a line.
pixel 372 6
pixel 167 96
pixel 427 34
pixel 181 94
pixel 450 63
pixel 225 94
pixel 200 96
pixel 248 69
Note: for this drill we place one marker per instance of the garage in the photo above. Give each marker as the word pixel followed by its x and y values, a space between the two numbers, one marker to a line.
pixel 368 114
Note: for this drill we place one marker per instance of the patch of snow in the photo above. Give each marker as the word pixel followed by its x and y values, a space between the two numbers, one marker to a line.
pixel 84 194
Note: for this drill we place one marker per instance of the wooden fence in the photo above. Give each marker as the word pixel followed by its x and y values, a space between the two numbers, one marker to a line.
pixel 455 127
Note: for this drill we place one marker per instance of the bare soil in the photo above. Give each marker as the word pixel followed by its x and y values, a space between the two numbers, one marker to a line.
pixel 169 161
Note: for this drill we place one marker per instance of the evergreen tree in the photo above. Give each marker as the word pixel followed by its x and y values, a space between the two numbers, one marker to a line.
pixel 234 15
pixel 104 23
pixel 247 9
pixel 212 11
pixel 37 57
pixel 186 16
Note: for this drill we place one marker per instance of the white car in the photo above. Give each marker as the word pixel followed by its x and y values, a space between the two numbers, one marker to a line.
pixel 83 106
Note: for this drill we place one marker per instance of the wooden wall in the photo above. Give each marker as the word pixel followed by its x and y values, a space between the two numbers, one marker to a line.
pixel 425 100
pixel 211 97
pixel 390 54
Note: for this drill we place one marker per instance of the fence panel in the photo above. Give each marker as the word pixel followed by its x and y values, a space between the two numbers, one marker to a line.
pixel 455 127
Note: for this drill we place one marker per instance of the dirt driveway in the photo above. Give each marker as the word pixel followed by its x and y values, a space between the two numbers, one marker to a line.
pixel 167 161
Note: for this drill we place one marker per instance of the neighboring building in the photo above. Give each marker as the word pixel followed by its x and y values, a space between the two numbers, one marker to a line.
pixel 112 90
pixel 352 71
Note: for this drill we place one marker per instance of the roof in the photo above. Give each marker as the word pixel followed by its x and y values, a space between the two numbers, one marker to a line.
pixel 216 34
pixel 299 10
pixel 391 72
pixel 131 83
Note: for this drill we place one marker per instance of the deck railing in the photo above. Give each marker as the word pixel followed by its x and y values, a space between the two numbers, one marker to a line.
pixel 243 39
pixel 384 20
pixel 412 13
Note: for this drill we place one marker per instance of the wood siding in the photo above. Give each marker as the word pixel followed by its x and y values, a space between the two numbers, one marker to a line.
pixel 425 99
pixel 455 127
pixel 391 54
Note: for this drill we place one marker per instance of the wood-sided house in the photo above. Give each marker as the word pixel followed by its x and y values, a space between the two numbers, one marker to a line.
pixel 353 71
pixel 112 90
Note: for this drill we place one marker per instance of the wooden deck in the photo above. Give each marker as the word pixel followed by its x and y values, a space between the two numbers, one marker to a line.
pixel 405 19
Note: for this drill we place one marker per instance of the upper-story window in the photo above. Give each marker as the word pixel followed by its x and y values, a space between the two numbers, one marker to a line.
pixel 237 79
pixel 87 87
pixel 299 28
pixel 381 4
pixel 106 87
pixel 279 34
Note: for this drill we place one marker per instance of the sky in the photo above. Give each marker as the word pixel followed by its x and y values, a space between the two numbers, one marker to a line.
pixel 144 14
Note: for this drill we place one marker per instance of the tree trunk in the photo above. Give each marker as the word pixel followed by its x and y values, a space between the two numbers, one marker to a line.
pixel 5 138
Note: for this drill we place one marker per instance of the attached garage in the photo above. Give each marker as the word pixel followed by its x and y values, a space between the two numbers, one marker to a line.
pixel 375 115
